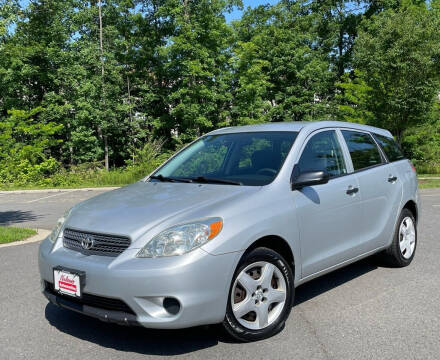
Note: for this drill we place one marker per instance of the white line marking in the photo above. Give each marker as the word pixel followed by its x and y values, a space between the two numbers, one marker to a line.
pixel 436 205
pixel 44 191
pixel 430 195
pixel 46 197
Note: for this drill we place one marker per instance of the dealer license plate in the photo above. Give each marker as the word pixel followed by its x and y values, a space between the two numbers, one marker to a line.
pixel 67 283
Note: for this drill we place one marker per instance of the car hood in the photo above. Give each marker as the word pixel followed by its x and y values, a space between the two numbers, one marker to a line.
pixel 137 208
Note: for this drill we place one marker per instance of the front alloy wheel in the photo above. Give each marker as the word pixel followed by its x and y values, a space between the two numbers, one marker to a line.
pixel 261 296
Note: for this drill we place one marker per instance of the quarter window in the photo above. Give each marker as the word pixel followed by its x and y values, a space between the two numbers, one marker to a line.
pixel 390 148
pixel 363 150
pixel 323 153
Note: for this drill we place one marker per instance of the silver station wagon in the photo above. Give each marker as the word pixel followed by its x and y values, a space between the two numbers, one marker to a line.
pixel 225 230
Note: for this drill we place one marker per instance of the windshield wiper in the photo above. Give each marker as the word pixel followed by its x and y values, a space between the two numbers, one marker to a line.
pixel 203 179
pixel 169 179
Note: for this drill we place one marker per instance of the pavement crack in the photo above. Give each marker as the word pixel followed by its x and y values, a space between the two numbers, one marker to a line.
pixel 315 334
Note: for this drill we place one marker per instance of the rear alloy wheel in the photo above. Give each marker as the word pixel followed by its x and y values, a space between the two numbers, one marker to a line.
pixel 402 250
pixel 261 296
pixel 407 237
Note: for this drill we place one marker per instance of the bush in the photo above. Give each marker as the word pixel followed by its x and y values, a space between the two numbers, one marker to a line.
pixel 422 145
pixel 49 173
pixel 148 158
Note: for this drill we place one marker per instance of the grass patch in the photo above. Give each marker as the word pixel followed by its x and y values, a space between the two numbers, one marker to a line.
pixel 428 169
pixel 429 183
pixel 10 234
pixel 427 175
pixel 86 179
pixel 90 174
pixel 45 187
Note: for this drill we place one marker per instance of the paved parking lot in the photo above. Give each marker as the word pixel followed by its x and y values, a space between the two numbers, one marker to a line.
pixel 39 209
pixel 365 311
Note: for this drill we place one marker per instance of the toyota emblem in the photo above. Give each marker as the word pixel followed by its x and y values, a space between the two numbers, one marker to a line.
pixel 87 243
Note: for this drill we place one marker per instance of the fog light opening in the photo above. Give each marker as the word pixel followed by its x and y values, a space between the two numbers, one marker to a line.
pixel 171 305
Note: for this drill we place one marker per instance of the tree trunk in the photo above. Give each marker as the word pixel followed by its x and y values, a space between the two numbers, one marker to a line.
pixel 69 137
pixel 133 138
pixel 340 64
pixel 101 48
pixel 107 167
pixel 186 9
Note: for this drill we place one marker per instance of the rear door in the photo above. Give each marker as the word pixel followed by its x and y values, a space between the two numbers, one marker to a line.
pixel 329 214
pixel 403 168
pixel 380 189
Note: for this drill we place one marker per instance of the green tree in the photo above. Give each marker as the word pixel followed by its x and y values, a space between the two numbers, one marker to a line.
pixel 337 27
pixel 8 15
pixel 353 99
pixel 198 55
pixel 294 76
pixel 252 85
pixel 397 54
pixel 25 147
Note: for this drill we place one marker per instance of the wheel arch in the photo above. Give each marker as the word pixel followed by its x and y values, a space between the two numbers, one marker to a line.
pixel 412 206
pixel 275 243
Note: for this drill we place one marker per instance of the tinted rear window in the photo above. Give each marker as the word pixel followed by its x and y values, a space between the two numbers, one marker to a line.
pixel 363 150
pixel 390 148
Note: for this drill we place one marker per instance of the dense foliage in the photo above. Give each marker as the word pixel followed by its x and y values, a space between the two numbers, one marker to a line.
pixel 92 85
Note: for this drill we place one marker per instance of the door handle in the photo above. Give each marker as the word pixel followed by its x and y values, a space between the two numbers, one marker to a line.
pixel 352 190
pixel 392 178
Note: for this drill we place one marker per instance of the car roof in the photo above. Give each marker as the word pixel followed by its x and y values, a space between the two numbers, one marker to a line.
pixel 298 126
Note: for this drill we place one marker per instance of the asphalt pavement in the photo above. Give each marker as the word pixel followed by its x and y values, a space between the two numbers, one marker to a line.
pixel 39 209
pixel 364 311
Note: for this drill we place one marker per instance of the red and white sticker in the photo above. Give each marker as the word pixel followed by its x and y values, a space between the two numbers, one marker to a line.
pixel 67 283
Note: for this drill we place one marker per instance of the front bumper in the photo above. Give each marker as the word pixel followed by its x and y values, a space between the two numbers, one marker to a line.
pixel 107 315
pixel 198 281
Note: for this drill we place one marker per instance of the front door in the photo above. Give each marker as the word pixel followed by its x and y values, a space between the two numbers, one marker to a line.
pixel 329 214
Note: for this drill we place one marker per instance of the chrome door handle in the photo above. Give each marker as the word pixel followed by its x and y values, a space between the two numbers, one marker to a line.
pixel 352 190
pixel 392 178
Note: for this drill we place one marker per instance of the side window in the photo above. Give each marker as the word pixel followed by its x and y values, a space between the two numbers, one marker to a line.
pixel 323 153
pixel 390 148
pixel 363 150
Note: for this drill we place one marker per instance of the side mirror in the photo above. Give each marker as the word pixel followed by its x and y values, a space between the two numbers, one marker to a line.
pixel 309 178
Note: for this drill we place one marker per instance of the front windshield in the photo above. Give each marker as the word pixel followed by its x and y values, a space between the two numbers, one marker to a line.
pixel 239 158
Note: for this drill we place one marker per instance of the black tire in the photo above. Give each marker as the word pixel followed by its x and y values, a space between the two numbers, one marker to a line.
pixel 230 323
pixel 393 254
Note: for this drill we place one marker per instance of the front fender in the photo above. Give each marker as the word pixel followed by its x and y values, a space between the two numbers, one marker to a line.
pixel 266 215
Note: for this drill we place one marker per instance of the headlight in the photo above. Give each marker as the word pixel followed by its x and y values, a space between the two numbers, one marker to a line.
pixel 181 239
pixel 58 227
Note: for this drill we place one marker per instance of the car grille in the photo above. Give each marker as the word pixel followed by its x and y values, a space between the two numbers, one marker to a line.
pixel 98 244
pixel 93 300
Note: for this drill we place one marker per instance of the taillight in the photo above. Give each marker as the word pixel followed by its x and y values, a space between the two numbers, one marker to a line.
pixel 412 166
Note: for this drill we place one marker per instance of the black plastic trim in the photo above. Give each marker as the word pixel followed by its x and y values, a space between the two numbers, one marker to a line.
pixel 100 302
pixel 352 191
pixel 117 317
pixel 309 178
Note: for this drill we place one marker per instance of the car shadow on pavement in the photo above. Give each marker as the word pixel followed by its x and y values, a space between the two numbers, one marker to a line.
pixel 336 278
pixel 133 339
pixel 16 217
pixel 177 342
